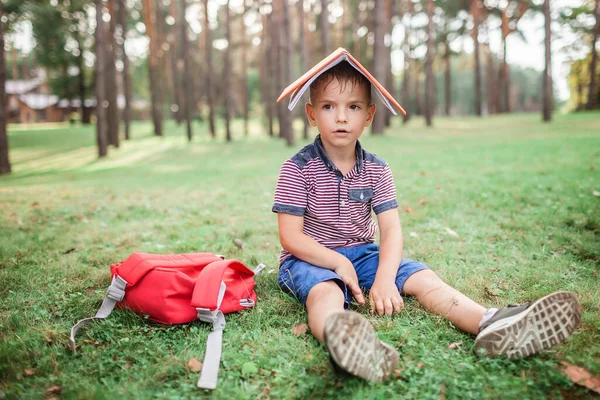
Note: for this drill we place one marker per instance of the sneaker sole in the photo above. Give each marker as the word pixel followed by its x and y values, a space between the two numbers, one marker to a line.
pixel 547 322
pixel 355 348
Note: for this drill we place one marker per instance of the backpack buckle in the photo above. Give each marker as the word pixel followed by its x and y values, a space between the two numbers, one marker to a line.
pixel 247 303
pixel 216 317
pixel 116 290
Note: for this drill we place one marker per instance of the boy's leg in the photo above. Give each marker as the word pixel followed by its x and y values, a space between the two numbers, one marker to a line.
pixel 439 297
pixel 513 331
pixel 324 299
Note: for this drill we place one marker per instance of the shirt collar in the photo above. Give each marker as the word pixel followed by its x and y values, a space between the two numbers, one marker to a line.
pixel 327 161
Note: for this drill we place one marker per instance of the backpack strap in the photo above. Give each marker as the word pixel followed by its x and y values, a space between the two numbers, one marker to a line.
pixel 114 294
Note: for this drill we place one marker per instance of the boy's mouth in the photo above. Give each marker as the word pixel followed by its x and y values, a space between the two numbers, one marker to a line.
pixel 341 131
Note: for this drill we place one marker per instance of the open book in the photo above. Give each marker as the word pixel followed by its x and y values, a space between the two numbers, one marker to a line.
pixel 300 86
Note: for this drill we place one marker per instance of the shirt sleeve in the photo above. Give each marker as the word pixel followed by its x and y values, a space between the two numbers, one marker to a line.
pixel 291 193
pixel 384 192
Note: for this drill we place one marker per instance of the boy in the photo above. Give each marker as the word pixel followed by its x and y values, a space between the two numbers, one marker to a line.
pixel 324 198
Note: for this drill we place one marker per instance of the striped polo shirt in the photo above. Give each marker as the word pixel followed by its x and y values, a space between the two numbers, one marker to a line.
pixel 336 208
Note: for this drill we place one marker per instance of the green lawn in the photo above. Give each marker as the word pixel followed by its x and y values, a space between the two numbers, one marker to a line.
pixel 519 193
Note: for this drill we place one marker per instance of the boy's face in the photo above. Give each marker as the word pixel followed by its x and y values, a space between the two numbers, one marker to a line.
pixel 340 115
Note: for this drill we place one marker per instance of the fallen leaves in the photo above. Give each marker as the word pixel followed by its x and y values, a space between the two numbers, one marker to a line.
pixel 596 193
pixel 451 232
pixel 29 372
pixel 299 329
pixel 409 210
pixel 194 364
pixel 53 390
pixel 238 242
pixel 581 376
pixel 454 345
pixel 72 249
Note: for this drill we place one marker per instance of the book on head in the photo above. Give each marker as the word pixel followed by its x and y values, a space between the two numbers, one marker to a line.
pixel 301 85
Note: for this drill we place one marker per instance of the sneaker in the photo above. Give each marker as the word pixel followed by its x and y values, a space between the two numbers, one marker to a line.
pixel 523 330
pixel 355 348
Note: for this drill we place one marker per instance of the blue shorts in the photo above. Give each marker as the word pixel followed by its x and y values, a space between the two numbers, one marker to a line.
pixel 297 277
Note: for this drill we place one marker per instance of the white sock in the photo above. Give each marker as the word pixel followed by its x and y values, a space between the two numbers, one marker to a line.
pixel 489 313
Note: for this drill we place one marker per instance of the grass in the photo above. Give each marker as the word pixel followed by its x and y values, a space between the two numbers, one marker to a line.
pixel 519 194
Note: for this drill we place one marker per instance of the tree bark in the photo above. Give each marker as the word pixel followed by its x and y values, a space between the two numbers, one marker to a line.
pixel 111 78
pixel 244 74
pixel 324 22
pixel 85 117
pixel 284 115
pixel 126 75
pixel 101 137
pixel 389 77
pixel 187 74
pixel 591 102
pixel 406 73
pixel 270 77
pixel 227 74
pixel 176 82
pixel 4 159
pixel 475 12
pixel 379 64
pixel 447 82
pixel 153 72
pixel 15 62
pixel 302 51
pixel 429 93
pixel 547 81
pixel 209 73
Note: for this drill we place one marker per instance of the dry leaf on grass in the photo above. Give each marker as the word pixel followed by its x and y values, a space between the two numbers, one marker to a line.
pixel 29 372
pixel 53 390
pixel 454 345
pixel 582 377
pixel 299 329
pixel 596 193
pixel 238 243
pixel 592 167
pixel 451 232
pixel 194 364
pixel 409 210
pixel 423 201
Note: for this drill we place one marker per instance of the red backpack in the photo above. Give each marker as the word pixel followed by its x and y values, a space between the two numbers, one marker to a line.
pixel 179 288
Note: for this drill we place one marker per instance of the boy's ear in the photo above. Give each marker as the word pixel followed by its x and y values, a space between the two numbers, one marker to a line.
pixel 370 114
pixel 310 114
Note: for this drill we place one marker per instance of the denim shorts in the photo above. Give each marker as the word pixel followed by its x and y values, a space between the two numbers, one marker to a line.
pixel 297 277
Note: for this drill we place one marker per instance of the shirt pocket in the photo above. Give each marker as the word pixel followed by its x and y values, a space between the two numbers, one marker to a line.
pixel 359 201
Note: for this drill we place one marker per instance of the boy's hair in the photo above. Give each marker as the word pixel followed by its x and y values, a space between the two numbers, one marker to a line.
pixel 345 74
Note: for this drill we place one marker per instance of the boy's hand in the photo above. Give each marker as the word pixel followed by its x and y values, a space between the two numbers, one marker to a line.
pixel 347 272
pixel 385 298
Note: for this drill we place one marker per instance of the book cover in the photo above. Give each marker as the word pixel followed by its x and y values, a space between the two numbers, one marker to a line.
pixel 301 85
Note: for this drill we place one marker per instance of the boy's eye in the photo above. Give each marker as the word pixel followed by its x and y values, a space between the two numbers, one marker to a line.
pixel 354 107
pixel 326 106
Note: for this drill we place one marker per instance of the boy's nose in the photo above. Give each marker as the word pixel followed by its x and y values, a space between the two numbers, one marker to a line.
pixel 341 115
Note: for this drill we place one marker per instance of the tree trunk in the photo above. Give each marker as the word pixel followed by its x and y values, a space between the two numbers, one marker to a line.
pixel 324 22
pixel 547 85
pixel 126 76
pixel 504 81
pixel 187 74
pixel 429 94
pixel 85 116
pixel 406 73
pixel 227 74
pixel 176 82
pixel 270 77
pixel 389 77
pixel 111 78
pixel 153 72
pixel 418 94
pixel 284 115
pixel 209 73
pixel 101 138
pixel 244 74
pixel 447 81
pixel 4 160
pixel 15 62
pixel 475 12
pixel 379 64
pixel 591 102
pixel 302 51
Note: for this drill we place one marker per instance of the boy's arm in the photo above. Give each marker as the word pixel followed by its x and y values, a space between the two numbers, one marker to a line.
pixel 307 249
pixel 384 295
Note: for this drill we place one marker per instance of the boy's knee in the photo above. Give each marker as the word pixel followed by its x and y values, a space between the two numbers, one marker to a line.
pixel 324 290
pixel 422 283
